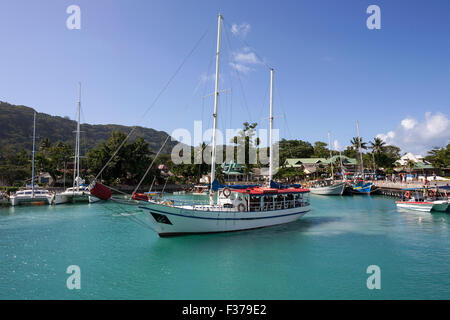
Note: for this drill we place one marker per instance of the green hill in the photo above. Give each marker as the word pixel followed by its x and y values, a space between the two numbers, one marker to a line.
pixel 16 130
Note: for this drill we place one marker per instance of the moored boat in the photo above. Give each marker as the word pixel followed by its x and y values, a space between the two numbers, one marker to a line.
pixel 328 188
pixel 233 209
pixel 74 194
pixel 32 195
pixel 362 187
pixel 423 199
pixel 79 192
pixel 424 206
pixel 236 209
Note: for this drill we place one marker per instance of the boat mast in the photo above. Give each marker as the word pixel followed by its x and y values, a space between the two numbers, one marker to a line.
pixel 342 166
pixel 331 156
pixel 216 102
pixel 76 182
pixel 32 170
pixel 359 149
pixel 271 127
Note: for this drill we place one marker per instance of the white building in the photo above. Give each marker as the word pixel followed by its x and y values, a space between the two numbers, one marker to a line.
pixel 409 156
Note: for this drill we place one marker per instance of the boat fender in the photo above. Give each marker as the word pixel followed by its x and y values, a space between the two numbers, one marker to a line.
pixel 226 192
pixel 241 207
pixel 407 194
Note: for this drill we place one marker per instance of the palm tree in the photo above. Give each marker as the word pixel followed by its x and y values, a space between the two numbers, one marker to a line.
pixel 356 142
pixel 410 164
pixel 377 145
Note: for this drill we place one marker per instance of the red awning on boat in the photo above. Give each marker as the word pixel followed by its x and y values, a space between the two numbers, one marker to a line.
pixel 262 191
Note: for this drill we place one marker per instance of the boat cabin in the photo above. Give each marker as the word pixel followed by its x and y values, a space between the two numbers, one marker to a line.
pixel 263 199
pixel 37 192
pixel 200 189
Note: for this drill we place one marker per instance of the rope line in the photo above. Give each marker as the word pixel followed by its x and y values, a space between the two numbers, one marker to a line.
pixel 151 164
pixel 155 100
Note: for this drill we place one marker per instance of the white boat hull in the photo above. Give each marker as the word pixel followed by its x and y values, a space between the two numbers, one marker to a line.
pixel 172 220
pixel 93 199
pixel 417 206
pixel 24 200
pixel 441 205
pixel 70 197
pixel 335 189
pixel 427 206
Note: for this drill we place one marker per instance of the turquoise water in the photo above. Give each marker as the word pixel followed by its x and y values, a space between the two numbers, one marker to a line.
pixel 322 256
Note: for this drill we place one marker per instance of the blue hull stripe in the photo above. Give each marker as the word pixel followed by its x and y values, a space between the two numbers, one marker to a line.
pixel 251 218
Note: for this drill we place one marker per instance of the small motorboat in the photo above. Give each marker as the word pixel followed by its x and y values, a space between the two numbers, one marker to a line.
pixel 423 199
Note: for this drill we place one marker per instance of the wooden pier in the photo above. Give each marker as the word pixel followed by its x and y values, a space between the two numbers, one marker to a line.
pixel 396 189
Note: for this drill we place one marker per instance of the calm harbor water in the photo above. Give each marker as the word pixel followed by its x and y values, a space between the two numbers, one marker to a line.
pixel 322 256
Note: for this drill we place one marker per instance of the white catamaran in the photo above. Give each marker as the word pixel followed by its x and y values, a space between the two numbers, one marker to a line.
pixel 79 192
pixel 32 195
pixel 234 209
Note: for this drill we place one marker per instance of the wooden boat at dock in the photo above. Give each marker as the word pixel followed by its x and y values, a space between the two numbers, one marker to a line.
pixel 328 187
pixel 362 187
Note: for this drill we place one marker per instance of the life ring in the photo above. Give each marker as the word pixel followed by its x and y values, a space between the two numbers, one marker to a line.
pixel 226 192
pixel 407 194
pixel 431 193
pixel 241 207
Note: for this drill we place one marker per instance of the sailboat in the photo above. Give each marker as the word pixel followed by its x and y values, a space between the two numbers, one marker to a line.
pixel 361 186
pixel 229 209
pixel 32 195
pixel 79 192
pixel 330 186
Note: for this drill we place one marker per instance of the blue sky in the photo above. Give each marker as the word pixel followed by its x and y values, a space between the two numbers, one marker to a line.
pixel 330 69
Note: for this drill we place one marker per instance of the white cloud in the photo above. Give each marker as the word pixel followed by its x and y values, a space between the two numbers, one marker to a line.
pixel 240 30
pixel 246 56
pixel 408 123
pixel 420 136
pixel 205 77
pixel 243 59
pixel 240 67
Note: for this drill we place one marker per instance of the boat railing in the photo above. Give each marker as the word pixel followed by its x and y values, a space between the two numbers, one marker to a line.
pixel 278 205
pixel 204 204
